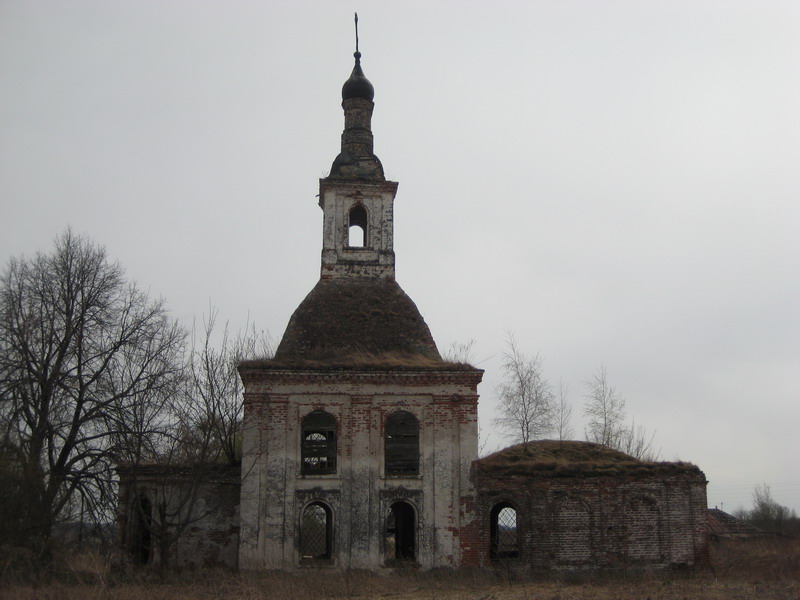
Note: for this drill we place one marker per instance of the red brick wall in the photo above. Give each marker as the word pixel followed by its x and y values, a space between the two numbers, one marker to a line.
pixel 598 522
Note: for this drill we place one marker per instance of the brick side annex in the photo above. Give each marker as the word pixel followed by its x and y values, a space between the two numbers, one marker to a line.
pixel 360 442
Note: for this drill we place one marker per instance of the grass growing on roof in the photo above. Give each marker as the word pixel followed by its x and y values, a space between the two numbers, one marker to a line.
pixel 569 458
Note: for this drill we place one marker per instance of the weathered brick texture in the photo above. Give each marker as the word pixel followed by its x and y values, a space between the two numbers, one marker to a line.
pixel 633 520
pixel 332 495
pixel 200 504
pixel 360 493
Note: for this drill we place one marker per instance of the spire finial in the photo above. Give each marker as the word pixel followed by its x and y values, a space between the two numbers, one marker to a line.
pixel 357 86
pixel 357 53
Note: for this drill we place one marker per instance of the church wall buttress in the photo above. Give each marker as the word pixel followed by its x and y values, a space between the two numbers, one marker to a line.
pixel 275 509
pixel 253 481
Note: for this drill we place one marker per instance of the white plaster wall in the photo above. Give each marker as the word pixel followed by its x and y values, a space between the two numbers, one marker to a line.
pixel 376 258
pixel 359 493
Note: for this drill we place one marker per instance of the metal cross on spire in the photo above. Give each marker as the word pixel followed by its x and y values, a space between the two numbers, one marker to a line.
pixel 358 54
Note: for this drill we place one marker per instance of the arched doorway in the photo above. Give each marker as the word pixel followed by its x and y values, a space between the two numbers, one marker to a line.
pixel 401 533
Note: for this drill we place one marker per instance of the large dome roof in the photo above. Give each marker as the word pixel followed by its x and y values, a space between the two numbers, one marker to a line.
pixel 343 319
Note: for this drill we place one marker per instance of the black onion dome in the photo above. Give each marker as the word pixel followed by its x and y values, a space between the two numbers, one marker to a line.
pixel 342 318
pixel 358 86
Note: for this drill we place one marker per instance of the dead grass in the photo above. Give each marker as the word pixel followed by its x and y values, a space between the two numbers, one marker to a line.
pixel 767 558
pixel 358 359
pixel 743 570
pixel 554 458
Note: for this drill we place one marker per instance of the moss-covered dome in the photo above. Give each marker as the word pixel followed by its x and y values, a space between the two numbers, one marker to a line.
pixel 341 319
pixel 569 458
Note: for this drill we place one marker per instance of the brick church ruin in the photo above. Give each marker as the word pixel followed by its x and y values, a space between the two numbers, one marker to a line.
pixel 360 443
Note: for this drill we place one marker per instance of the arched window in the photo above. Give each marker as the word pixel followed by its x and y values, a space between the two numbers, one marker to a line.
pixel 318 446
pixel 140 540
pixel 503 525
pixel 357 227
pixel 401 444
pixel 401 532
pixel 316 526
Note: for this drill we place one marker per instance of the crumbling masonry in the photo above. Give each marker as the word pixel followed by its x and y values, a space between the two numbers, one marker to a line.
pixel 360 442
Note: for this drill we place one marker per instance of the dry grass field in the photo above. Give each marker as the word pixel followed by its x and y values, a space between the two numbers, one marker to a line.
pixel 742 570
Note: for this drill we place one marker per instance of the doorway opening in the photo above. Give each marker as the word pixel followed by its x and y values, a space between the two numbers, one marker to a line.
pixel 141 538
pixel 401 533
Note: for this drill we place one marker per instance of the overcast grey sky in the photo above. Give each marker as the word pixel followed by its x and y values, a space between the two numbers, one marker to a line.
pixel 616 182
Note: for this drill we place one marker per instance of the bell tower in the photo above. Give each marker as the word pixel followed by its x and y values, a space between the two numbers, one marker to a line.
pixel 356 200
pixel 358 438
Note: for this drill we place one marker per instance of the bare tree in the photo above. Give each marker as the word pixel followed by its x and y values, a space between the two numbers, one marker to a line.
pixel 527 403
pixel 211 414
pixel 563 417
pixel 767 513
pixel 81 351
pixel 637 442
pixel 206 418
pixel 605 409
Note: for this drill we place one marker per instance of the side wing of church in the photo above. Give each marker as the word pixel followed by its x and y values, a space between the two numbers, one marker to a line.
pixel 360 443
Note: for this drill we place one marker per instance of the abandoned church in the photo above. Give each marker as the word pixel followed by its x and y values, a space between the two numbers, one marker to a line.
pixel 360 443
